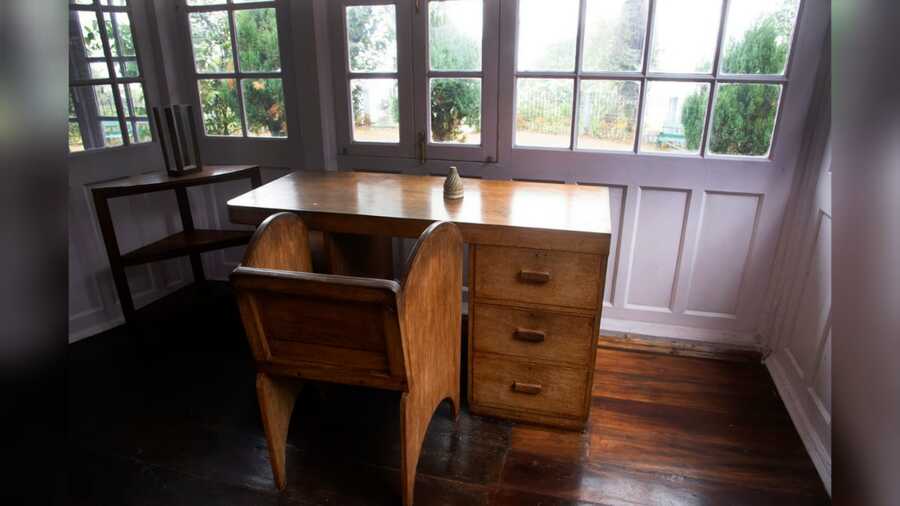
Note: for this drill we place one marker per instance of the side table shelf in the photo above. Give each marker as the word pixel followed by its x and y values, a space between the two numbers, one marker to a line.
pixel 190 242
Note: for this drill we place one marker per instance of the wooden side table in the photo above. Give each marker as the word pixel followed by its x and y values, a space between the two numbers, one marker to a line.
pixel 189 242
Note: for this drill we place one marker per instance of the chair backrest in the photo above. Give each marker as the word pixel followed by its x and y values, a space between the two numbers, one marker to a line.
pixel 317 326
pixel 344 329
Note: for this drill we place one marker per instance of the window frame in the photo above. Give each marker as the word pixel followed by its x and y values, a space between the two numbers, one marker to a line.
pixel 194 77
pixel 486 151
pixel 112 80
pixel 644 76
pixel 413 75
pixel 405 148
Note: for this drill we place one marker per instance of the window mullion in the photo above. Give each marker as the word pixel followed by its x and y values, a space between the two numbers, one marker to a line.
pixel 645 66
pixel 237 72
pixel 579 47
pixel 107 50
pixel 707 124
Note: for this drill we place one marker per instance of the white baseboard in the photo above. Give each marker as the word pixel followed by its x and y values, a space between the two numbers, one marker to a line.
pixel 814 447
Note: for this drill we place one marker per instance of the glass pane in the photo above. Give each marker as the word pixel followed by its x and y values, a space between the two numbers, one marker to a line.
pixel 264 107
pixel 139 132
pixel 95 108
pixel 205 2
pixel 90 32
pixel 744 119
pixel 376 110
pixel 614 32
pixel 674 116
pixel 133 100
pixel 684 35
pixel 127 68
pixel 454 34
pixel 758 36
pixel 99 70
pixel 456 110
pixel 118 29
pixel 257 40
pixel 607 114
pixel 249 1
pixel 143 132
pixel 75 142
pixel 211 38
pixel 106 102
pixel 82 2
pixel 372 38
pixel 547 33
pixel 112 133
pixel 86 47
pixel 544 112
pixel 219 104
pixel 118 3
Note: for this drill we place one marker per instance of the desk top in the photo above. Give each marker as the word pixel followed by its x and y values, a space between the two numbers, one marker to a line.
pixel 154 181
pixel 404 205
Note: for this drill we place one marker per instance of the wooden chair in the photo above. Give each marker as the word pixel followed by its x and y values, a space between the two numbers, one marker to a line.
pixel 359 331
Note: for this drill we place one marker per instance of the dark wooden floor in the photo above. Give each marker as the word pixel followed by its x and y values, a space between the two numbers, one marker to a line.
pixel 173 420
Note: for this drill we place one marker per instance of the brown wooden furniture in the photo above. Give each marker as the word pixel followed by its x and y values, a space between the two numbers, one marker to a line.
pixel 190 241
pixel 536 274
pixel 359 331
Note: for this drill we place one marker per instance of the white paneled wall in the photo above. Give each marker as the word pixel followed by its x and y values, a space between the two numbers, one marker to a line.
pixel 796 325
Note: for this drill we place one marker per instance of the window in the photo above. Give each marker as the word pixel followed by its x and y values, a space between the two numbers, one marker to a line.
pixel 417 92
pixel 237 67
pixel 374 80
pixel 651 76
pixel 107 103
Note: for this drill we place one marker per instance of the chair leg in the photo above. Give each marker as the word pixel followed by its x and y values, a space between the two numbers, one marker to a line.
pixel 276 403
pixel 412 433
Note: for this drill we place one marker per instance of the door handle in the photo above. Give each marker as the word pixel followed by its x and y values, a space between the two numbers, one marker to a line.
pixel 536 277
pixel 527 388
pixel 531 336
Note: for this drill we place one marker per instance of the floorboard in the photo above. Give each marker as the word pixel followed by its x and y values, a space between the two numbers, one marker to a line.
pixel 168 415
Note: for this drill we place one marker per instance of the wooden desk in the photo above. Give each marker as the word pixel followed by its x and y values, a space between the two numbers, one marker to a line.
pixel 189 242
pixel 537 272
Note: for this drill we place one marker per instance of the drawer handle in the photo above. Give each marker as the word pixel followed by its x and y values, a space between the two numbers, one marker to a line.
pixel 531 336
pixel 536 277
pixel 527 388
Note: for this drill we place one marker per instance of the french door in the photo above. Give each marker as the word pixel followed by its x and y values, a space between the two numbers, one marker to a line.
pixel 417 79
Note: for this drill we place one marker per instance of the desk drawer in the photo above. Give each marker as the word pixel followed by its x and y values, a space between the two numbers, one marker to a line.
pixel 538 276
pixel 509 383
pixel 532 334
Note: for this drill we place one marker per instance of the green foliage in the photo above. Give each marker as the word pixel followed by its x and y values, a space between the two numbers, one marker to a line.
pixel 744 114
pixel 218 101
pixel 692 115
pixel 258 50
pixel 763 50
pixel 744 118
pixel 454 103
